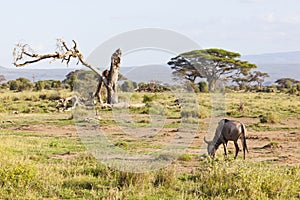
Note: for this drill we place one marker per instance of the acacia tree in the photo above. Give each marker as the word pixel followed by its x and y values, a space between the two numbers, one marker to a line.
pixel 24 55
pixel 258 77
pixel 245 80
pixel 242 82
pixel 286 82
pixel 211 64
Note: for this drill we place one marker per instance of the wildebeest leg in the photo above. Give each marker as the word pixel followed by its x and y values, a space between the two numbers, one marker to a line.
pixel 225 149
pixel 236 149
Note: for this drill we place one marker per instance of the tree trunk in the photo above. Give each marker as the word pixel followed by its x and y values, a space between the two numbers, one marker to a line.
pixel 109 79
pixel 112 79
pixel 211 84
pixel 98 90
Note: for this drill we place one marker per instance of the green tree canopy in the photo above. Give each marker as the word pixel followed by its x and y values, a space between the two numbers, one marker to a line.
pixel 287 82
pixel 252 77
pixel 258 77
pixel 20 84
pixel 212 64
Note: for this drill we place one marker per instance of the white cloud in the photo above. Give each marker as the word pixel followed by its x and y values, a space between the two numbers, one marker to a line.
pixel 288 19
pixel 293 19
pixel 270 18
pixel 252 1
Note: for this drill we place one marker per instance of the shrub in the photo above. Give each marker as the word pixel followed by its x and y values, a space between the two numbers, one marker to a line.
pixel 148 98
pixel 293 90
pixel 128 179
pixel 17 177
pixel 184 157
pixel 203 87
pixel 54 97
pixel 82 182
pixel 20 84
pixel 43 96
pixel 40 85
pixel 269 118
pixel 298 87
pixel 123 145
pixel 165 178
pixel 128 86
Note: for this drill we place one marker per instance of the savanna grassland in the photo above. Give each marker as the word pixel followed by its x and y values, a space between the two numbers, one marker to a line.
pixel 42 156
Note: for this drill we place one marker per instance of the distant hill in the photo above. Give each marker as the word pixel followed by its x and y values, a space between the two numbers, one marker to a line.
pixel 138 74
pixel 147 73
pixel 282 58
pixel 36 74
pixel 277 65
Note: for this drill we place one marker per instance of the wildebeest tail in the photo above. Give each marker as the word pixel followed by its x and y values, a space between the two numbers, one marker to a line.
pixel 244 131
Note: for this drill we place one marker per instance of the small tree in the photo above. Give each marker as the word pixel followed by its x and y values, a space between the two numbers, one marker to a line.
pixel 71 79
pixel 298 87
pixel 13 85
pixel 286 82
pixel 258 77
pixel 56 84
pixel 242 82
pixel 40 85
pixel 203 87
pixel 20 84
pixel 128 86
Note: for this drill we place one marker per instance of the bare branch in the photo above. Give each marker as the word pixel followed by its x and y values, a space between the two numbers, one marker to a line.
pixel 23 55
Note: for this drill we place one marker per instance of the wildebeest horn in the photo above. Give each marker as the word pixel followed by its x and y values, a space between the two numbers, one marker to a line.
pixel 205 140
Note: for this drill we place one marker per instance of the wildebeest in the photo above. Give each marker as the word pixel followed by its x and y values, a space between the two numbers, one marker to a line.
pixel 227 130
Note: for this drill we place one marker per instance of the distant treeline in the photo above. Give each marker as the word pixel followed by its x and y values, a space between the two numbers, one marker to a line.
pixel 287 85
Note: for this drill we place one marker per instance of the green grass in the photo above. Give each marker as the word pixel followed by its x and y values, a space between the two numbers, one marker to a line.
pixel 13 120
pixel 49 166
pixel 274 105
pixel 29 170
pixel 278 105
pixel 31 101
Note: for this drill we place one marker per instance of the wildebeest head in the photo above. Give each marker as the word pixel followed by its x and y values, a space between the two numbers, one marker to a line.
pixel 211 145
pixel 211 150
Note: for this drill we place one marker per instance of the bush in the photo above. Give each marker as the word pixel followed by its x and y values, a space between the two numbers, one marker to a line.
pixel 184 157
pixel 40 85
pixel 298 87
pixel 20 84
pixel 122 144
pixel 128 86
pixel 54 97
pixel 43 96
pixel 82 182
pixel 269 118
pixel 203 87
pixel 148 98
pixel 165 178
pixel 293 90
pixel 17 177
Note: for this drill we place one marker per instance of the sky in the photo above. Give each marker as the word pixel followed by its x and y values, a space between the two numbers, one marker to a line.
pixel 244 26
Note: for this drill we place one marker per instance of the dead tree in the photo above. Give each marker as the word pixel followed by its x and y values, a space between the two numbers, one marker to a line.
pixel 112 78
pixel 24 55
